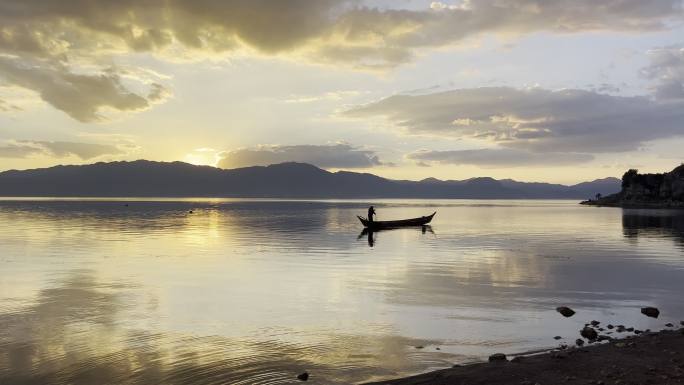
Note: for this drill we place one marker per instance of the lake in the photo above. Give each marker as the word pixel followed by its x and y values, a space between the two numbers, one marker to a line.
pixel 255 292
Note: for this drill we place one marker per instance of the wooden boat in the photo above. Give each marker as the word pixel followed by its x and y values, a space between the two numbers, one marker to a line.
pixel 379 225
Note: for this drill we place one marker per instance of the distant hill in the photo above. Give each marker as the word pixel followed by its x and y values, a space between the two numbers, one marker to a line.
pixel 647 190
pixel 144 178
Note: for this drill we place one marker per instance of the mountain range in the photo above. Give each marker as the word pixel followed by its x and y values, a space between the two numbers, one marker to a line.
pixel 144 178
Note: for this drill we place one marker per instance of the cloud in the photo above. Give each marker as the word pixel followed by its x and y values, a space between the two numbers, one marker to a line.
pixel 58 36
pixel 537 120
pixel 85 151
pixel 324 156
pixel 492 158
pixel 323 30
pixel 81 96
pixel 667 70
pixel 18 151
pixel 8 107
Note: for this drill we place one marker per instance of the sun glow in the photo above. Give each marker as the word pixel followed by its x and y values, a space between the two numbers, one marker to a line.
pixel 202 157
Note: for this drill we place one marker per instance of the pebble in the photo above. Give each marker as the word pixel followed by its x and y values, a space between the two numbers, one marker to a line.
pixel 594 323
pixel 497 357
pixel 303 377
pixel 609 326
pixel 565 311
pixel 579 342
pixel 649 311
pixel 557 337
pixel 669 325
pixel 589 333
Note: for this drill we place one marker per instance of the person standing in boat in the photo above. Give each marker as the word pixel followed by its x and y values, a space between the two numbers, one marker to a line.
pixel 371 212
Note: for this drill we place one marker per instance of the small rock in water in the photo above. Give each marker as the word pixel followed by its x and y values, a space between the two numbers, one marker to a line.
pixel 190 212
pixel 594 323
pixel 669 325
pixel 589 333
pixel 609 326
pixel 630 329
pixel 557 337
pixel 681 323
pixel 497 357
pixel 579 342
pixel 303 377
pixel 637 331
pixel 565 311
pixel 419 347
pixel 652 312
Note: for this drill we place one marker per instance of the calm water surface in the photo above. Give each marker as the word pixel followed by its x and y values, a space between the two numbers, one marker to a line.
pixel 256 292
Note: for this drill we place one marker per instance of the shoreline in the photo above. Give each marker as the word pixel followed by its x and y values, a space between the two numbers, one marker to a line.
pixel 647 358
pixel 635 205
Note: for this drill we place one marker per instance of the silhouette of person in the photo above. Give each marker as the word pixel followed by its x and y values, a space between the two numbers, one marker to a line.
pixel 371 212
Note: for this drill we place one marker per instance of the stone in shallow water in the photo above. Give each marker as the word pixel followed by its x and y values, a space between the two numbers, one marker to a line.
pixel 303 377
pixel 565 311
pixel 579 342
pixel 589 333
pixel 652 312
pixel 497 357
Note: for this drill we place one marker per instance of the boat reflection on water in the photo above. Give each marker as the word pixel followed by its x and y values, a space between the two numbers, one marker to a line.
pixel 370 234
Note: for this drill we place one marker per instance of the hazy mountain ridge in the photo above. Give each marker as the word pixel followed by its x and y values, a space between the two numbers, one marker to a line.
pixel 285 180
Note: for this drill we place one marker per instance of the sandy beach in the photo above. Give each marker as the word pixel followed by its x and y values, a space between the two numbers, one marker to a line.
pixel 649 358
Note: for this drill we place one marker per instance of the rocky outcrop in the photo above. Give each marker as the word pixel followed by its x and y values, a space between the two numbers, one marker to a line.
pixel 647 190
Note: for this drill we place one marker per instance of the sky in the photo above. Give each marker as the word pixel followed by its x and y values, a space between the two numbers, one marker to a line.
pixel 535 90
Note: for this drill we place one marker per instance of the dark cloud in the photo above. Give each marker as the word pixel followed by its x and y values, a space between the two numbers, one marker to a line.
pixel 667 70
pixel 498 158
pixel 324 156
pixel 80 96
pixel 85 151
pixel 537 120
